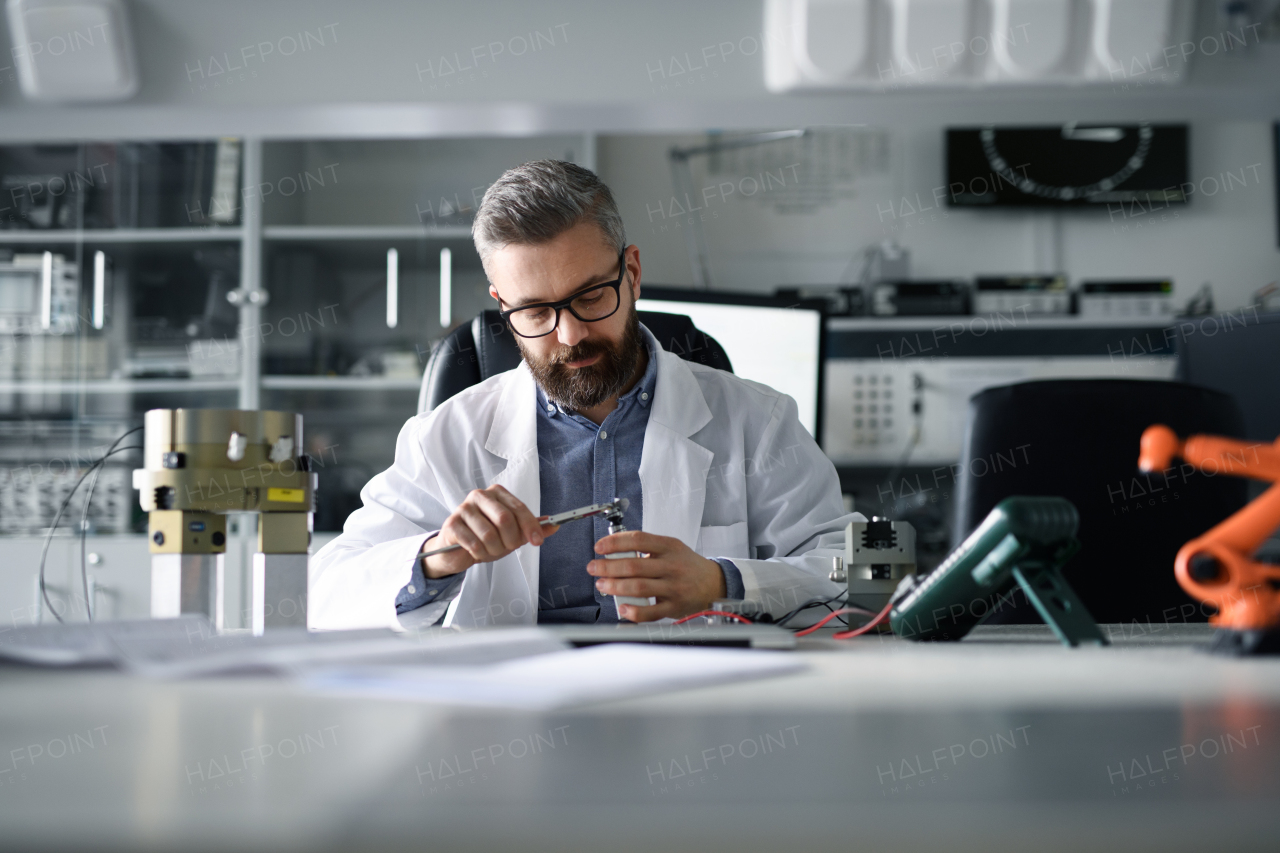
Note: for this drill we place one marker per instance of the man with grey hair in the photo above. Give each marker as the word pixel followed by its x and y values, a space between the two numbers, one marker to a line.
pixel 728 495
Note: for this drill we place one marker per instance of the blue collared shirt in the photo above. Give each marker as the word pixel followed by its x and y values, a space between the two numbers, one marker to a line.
pixel 579 463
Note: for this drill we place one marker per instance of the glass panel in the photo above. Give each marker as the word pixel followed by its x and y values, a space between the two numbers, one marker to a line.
pixel 115 262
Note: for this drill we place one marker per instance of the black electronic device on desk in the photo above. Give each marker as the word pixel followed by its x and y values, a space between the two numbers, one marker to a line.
pixel 919 298
pixel 1022 545
pixel 695 632
pixel 1021 294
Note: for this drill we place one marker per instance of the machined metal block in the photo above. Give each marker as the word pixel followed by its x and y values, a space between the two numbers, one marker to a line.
pixel 278 596
pixel 188 583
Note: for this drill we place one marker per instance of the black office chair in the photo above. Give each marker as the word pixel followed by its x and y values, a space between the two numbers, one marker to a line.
pixel 485 347
pixel 1078 438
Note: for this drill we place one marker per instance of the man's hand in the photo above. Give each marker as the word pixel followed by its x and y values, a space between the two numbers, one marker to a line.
pixel 489 525
pixel 683 581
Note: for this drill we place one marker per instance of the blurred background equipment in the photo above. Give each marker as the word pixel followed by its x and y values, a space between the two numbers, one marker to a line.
pixel 201 464
pixel 1135 167
pixel 1024 294
pixel 39 293
pixel 42 460
pixel 919 298
pixel 816 46
pixel 1126 299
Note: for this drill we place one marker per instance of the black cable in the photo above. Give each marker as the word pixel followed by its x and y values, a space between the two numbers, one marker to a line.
pixel 44 553
pixel 84 521
pixel 48 539
pixel 84 526
pixel 813 602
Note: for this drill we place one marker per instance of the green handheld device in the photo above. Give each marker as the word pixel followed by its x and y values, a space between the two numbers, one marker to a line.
pixel 1022 544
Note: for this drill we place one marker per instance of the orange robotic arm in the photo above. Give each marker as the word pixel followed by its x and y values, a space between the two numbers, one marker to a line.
pixel 1217 567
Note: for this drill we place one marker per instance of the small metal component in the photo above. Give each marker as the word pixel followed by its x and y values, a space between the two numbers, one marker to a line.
pixel 282 449
pixel 614 515
pixel 187 583
pixel 176 531
pixel 236 446
pixel 837 574
pixel 283 532
pixel 746 608
pixel 877 555
pixel 253 297
pixel 611 510
pixel 174 460
pixel 878 534
pixel 278 591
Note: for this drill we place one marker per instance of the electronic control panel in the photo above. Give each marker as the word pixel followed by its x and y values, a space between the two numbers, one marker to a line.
pixel 897 390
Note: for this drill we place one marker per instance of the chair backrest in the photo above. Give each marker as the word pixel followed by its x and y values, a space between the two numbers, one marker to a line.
pixel 1079 439
pixel 485 347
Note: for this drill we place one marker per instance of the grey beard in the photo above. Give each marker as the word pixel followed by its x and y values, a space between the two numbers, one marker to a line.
pixel 588 387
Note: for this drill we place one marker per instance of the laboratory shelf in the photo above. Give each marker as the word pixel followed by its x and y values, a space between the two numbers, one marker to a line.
pixel 119 235
pixel 365 232
pixel 115 386
pixel 341 383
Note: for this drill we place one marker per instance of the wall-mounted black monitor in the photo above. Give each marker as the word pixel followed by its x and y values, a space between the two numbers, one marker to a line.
pixel 1067 165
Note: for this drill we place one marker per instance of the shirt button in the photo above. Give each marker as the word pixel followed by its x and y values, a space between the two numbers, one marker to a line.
pixel 431 593
pixel 644 395
pixel 412 589
pixel 603 435
pixel 550 408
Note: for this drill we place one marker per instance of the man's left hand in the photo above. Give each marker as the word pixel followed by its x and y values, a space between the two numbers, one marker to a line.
pixel 682 580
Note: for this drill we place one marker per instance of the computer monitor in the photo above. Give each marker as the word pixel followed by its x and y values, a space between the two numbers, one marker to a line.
pixel 1236 353
pixel 774 341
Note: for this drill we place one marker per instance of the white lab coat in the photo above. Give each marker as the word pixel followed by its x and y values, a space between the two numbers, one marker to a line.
pixel 725 467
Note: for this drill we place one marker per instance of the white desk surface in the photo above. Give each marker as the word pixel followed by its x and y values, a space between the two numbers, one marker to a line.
pixel 1147 745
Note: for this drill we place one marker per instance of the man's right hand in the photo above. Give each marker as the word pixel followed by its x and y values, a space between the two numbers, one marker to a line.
pixel 489 525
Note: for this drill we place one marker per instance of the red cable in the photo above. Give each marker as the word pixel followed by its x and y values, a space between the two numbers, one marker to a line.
pixel 714 613
pixel 826 619
pixel 884 614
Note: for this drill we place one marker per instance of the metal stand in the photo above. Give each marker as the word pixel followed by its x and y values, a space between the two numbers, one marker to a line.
pixel 1058 605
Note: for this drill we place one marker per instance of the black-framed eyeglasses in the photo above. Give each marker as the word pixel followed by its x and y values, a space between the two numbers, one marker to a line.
pixel 591 304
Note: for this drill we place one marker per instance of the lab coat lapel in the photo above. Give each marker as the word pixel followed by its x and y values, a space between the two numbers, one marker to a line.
pixel 673 468
pixel 513 436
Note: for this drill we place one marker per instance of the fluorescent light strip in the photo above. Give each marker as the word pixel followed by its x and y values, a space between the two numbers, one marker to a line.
pixel 393 288
pixel 446 288
pixel 46 291
pixel 99 287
